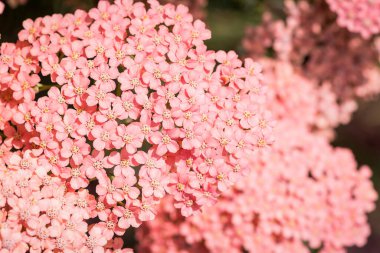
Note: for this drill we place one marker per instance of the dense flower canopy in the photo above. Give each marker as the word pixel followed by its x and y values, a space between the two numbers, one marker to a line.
pixel 121 118
pixel 131 107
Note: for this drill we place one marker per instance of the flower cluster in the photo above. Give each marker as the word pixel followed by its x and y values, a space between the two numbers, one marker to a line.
pixel 304 195
pixel 359 16
pixel 311 40
pixel 131 107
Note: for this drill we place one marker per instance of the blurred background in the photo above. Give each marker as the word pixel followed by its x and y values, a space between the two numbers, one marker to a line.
pixel 227 20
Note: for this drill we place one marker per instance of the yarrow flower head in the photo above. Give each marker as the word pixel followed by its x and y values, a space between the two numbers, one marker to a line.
pixel 359 16
pixel 133 108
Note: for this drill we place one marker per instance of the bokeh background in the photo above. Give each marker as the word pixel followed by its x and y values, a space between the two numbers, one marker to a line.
pixel 227 20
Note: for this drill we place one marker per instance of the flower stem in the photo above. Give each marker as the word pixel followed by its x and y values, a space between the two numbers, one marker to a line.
pixel 43 87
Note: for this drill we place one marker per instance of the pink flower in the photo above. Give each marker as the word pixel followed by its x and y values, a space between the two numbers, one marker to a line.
pixel 66 72
pixel 131 138
pixel 95 164
pixel 65 128
pixel 76 150
pixel 76 176
pixel 200 55
pixel 155 73
pixel 193 137
pixel 140 47
pixel 147 211
pixel 96 240
pixel 149 161
pixel 111 111
pixel 99 96
pixel 104 76
pixel 163 115
pixel 123 161
pixel 239 144
pixel 128 214
pixel 44 106
pixel 130 106
pixel 110 191
pixel 23 115
pixel 200 33
pixel 176 15
pixel 224 175
pixel 97 47
pixel 130 79
pixel 179 183
pixel 245 113
pixel 44 47
pixel 104 11
pixel 110 227
pixel 16 137
pixel 73 229
pixel 24 61
pixel 187 205
pixel 165 142
pixel 154 183
pixel 86 124
pixel 74 92
pixel 49 66
pixel 30 30
pixel 228 59
pixel 23 86
pixel 46 125
pixel 73 50
pixel 118 53
pixel 126 184
pixel 24 211
pixel 168 94
pixel 104 135
pixel 12 240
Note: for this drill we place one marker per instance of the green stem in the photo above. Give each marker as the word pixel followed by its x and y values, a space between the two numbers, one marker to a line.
pixel 43 87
